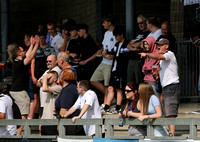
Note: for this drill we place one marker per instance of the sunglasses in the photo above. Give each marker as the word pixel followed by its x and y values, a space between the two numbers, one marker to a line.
pixel 128 91
pixel 48 61
pixel 140 23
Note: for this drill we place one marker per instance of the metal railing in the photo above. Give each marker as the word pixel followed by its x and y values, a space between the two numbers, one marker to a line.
pixel 188 58
pixel 109 123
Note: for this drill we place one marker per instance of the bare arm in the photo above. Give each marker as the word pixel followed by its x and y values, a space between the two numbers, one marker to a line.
pixel 134 46
pixel 69 112
pixel 83 110
pixel 158 114
pixel 33 71
pixel 88 60
pixel 45 86
pixel 30 56
pixel 152 55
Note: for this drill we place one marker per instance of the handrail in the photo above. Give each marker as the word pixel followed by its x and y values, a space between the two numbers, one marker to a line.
pixel 109 123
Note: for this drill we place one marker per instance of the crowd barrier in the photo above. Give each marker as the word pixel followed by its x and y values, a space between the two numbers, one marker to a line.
pixel 109 124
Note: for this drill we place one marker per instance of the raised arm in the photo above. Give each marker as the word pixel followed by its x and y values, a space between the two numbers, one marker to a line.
pixel 31 51
pixel 45 86
pixel 152 55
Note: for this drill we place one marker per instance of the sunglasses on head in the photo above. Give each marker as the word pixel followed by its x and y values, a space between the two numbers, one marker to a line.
pixel 128 91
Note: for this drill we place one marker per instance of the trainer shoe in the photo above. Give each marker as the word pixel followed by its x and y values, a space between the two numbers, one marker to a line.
pixel 105 111
pixel 196 112
pixel 114 111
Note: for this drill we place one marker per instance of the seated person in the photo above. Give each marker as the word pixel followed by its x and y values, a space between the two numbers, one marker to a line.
pixel 89 105
pixel 6 111
pixel 66 100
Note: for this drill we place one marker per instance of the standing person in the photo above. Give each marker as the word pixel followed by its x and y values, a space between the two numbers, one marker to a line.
pixel 51 27
pixel 88 53
pixel 20 77
pixel 103 70
pixel 88 103
pixel 66 100
pixel 169 79
pixel 153 26
pixel 6 111
pixel 166 33
pixel 118 71
pixel 134 71
pixel 53 90
pixel 150 47
pixel 38 68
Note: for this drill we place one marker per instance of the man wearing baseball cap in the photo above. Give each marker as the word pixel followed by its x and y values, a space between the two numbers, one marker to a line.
pixel 169 79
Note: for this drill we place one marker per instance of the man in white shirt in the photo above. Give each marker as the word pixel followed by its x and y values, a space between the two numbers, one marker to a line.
pixel 6 112
pixel 51 26
pixel 153 26
pixel 169 79
pixel 102 73
pixel 89 105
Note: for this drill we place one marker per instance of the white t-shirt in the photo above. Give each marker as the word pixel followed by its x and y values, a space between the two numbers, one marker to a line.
pixel 156 34
pixel 91 99
pixel 53 42
pixel 50 102
pixel 169 70
pixel 108 44
pixel 6 107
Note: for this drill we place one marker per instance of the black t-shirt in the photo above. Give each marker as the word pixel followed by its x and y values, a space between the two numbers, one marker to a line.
pixel 8 69
pixel 172 41
pixel 75 46
pixel 89 48
pixel 140 37
pixel 67 98
pixel 40 60
pixel 20 76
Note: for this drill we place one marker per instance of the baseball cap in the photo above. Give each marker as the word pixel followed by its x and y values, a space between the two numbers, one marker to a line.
pixel 163 41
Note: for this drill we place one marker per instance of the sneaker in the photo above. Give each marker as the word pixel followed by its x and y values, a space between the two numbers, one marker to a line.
pixel 196 112
pixel 114 111
pixel 102 107
pixel 105 111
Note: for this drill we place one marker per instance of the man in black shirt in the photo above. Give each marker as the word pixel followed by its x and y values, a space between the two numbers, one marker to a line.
pixel 134 71
pixel 88 53
pixel 21 76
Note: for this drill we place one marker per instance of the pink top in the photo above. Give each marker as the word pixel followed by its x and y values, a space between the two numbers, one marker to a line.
pixel 147 67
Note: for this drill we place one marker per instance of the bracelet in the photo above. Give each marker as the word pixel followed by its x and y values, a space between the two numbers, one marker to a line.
pixel 148 117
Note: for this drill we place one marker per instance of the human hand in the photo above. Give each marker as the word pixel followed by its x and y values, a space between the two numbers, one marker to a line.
pixel 74 119
pixel 37 39
pixel 32 40
pixel 82 63
pixel 142 55
pixel 34 80
pixel 142 117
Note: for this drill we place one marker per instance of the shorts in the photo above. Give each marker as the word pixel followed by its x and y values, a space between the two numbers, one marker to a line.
pixel 171 99
pixel 22 100
pixel 102 73
pixel 115 81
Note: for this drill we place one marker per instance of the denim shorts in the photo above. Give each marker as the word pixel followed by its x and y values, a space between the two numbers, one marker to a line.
pixel 141 131
pixel 171 99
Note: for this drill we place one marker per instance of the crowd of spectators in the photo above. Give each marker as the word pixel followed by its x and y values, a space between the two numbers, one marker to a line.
pixel 50 77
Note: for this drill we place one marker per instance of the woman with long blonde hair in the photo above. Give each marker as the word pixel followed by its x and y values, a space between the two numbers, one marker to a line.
pixel 150 107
